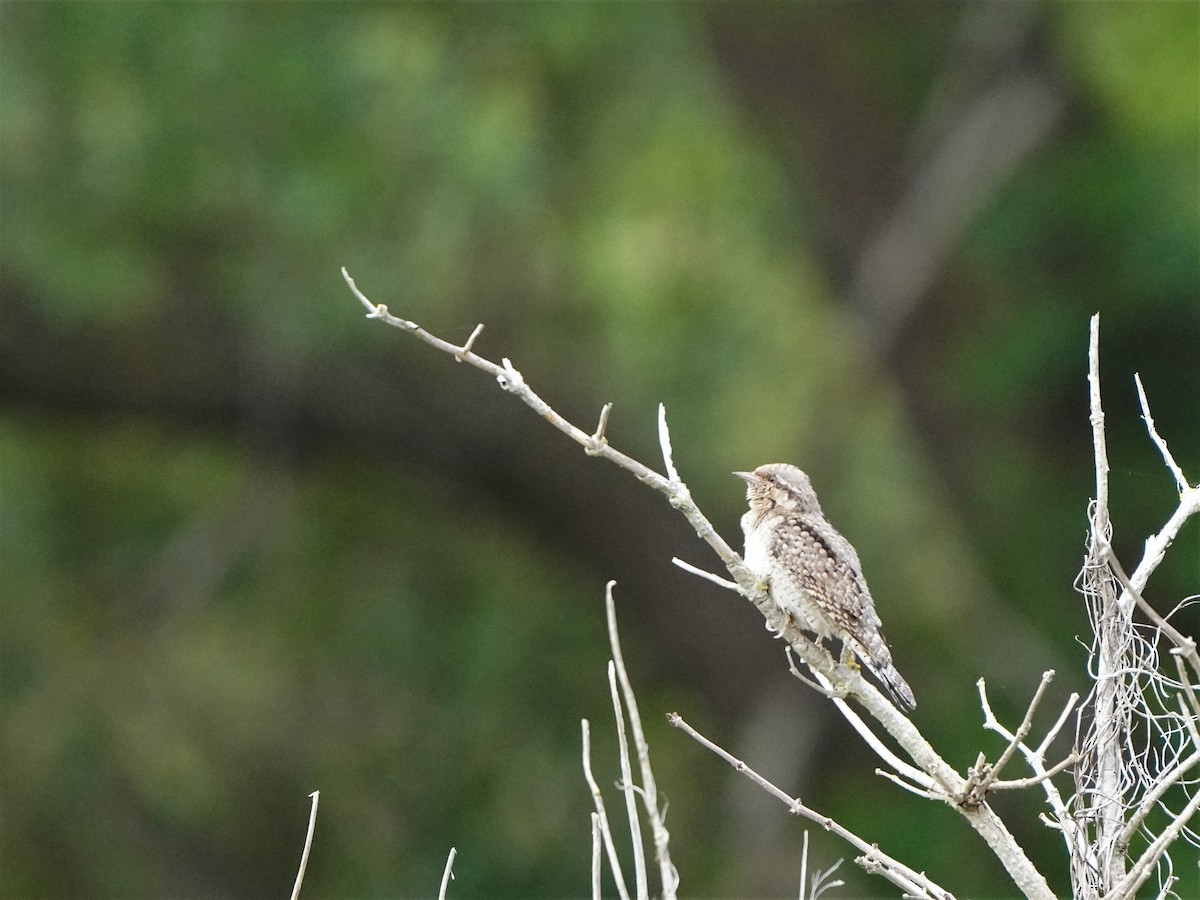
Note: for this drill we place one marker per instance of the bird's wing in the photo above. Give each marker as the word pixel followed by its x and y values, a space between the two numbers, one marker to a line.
pixel 829 571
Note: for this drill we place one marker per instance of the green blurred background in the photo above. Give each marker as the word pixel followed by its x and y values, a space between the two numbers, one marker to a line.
pixel 253 545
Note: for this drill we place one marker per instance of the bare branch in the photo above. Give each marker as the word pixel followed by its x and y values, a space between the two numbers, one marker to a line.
pixel 668 875
pixel 790 653
pixel 447 873
pixel 1187 646
pixel 1188 701
pixel 1099 780
pixel 1116 787
pixel 1026 723
pixel 923 793
pixel 980 788
pixel 1133 745
pixel 915 883
pixel 902 768
pixel 708 576
pixel 804 864
pixel 1156 545
pixel 820 883
pixel 600 815
pixel 596 858
pixel 841 680
pixel 1165 783
pixel 1032 780
pixel 1141 870
pixel 513 382
pixel 1099 444
pixel 1180 481
pixel 1040 752
pixel 628 790
pixel 308 839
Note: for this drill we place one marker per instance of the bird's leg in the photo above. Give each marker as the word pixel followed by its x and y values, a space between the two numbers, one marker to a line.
pixel 788 619
pixel 763 586
pixel 848 659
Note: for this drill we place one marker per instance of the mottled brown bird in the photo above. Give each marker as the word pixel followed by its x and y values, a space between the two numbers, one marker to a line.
pixel 812 572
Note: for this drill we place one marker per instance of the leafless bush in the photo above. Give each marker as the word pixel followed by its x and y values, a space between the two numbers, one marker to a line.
pixel 1136 762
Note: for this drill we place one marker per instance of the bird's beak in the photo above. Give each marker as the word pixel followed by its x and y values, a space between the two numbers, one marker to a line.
pixel 745 476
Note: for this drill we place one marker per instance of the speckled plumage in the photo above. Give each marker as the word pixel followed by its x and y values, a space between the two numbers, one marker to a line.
pixel 813 573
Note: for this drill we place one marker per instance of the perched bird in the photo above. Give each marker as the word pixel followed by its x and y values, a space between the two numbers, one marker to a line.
pixel 811 571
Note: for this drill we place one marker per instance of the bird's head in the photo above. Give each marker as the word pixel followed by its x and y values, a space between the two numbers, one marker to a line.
pixel 780 485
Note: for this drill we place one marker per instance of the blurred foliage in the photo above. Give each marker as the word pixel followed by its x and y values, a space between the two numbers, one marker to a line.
pixel 251 545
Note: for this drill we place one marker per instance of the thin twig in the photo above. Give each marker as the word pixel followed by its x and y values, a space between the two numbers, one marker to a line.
pixel 912 773
pixel 598 438
pixel 1150 800
pixel 1188 702
pixel 668 875
pixel 790 652
pixel 466 348
pixel 893 870
pixel 1186 645
pixel 708 576
pixel 1026 723
pixel 308 839
pixel 596 858
pixel 804 864
pixel 664 441
pixel 1041 749
pixel 923 793
pixel 1157 544
pixel 1036 757
pixel 992 774
pixel 819 883
pixel 628 790
pixel 1144 867
pixel 1032 780
pixel 447 873
pixel 1180 481
pixel 825 686
pixel 601 815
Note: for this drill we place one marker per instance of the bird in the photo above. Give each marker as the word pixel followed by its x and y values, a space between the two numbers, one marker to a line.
pixel 813 573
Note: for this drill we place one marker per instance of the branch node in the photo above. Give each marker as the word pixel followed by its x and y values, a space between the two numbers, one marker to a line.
pixel 509 379
pixel 598 441
pixel 465 349
pixel 664 440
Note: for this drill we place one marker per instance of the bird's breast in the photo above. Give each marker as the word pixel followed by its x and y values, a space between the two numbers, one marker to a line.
pixel 758 538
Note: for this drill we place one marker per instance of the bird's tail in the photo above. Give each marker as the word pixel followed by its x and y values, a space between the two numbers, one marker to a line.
pixel 896 686
pixel 879 661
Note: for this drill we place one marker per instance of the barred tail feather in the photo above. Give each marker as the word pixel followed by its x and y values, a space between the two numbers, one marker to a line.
pixel 896 686
pixel 879 661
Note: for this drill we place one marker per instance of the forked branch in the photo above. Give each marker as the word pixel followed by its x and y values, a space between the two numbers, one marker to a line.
pixel 1137 736
pixel 915 884
pixel 840 681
